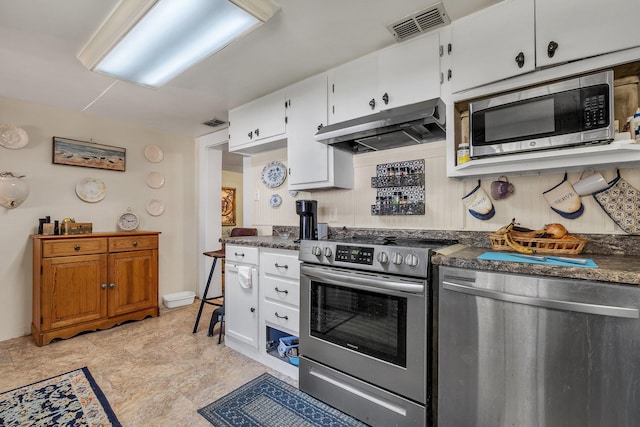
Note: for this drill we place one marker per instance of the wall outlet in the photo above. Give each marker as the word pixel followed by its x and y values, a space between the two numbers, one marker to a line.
pixel 333 214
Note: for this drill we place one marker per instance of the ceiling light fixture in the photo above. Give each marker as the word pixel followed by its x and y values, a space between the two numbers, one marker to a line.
pixel 150 42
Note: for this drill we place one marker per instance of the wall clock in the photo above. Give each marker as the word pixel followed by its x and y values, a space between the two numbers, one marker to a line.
pixel 128 221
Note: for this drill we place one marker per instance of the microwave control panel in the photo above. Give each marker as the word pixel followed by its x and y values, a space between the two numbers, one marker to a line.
pixel 595 107
pixel 354 254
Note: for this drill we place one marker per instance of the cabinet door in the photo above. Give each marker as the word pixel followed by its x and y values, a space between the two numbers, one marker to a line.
pixel 258 120
pixel 486 45
pixel 241 306
pixel 73 290
pixel 133 281
pixel 409 72
pixel 577 28
pixel 351 87
pixel 308 159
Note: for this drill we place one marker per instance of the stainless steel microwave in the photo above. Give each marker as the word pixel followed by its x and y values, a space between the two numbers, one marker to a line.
pixel 571 112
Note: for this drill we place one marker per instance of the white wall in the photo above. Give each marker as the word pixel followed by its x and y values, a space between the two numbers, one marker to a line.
pixel 444 207
pixel 53 194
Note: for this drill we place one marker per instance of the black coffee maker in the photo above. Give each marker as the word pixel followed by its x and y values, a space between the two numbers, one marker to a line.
pixel 308 211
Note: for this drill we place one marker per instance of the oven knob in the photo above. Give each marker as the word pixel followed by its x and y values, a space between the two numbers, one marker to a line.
pixel 397 259
pixel 383 258
pixel 411 260
pixel 316 251
pixel 327 252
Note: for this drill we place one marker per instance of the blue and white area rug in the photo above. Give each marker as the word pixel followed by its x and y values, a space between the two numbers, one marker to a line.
pixel 71 399
pixel 269 402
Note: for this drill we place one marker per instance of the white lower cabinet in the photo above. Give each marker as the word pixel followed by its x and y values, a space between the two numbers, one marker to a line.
pixel 257 317
pixel 241 297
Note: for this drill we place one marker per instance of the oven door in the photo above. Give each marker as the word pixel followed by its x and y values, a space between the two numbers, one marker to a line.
pixel 370 326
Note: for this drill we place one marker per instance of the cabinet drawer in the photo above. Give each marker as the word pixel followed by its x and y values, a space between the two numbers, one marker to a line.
pixel 68 247
pixel 280 290
pixel 281 316
pixel 132 243
pixel 280 265
pixel 244 254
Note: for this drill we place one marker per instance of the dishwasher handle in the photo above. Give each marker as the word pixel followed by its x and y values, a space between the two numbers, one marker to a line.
pixel 580 307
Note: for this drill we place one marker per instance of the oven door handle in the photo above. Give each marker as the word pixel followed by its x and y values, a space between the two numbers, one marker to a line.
pixel 350 279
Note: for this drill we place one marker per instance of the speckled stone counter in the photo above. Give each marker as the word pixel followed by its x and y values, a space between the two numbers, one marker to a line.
pixel 276 242
pixel 617 256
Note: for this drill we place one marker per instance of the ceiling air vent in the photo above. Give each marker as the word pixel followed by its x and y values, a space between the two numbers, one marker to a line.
pixel 214 122
pixel 420 22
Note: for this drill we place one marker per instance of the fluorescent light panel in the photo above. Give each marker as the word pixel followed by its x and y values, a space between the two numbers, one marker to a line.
pixel 171 37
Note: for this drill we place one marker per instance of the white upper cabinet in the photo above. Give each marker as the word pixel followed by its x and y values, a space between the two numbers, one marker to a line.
pixel 573 29
pixel 257 122
pixel 493 44
pixel 399 75
pixel 352 86
pixel 312 163
pixel 409 72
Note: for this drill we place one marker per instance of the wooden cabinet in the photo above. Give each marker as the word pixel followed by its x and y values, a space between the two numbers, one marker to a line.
pixel 240 298
pixel 399 75
pixel 500 38
pixel 257 123
pixel 312 164
pixel 89 282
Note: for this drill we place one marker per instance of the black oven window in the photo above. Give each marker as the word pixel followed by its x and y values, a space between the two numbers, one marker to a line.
pixel 367 322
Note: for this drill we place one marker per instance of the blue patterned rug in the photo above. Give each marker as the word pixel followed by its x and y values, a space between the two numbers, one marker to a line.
pixel 71 399
pixel 269 402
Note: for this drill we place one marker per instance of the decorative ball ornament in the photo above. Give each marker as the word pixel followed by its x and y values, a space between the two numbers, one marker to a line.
pixel 13 189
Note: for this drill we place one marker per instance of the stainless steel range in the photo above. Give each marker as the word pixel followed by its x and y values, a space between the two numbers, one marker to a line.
pixel 365 327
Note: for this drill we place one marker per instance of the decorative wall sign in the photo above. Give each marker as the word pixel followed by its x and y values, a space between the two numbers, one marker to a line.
pixel 88 154
pixel 228 206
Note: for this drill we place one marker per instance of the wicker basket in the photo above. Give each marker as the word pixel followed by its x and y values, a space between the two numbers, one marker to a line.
pixel 573 245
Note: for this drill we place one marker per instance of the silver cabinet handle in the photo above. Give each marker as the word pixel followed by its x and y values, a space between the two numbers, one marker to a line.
pixel 76 247
pixel 280 291
pixel 238 254
pixel 103 286
pixel 282 266
pixel 580 307
pixel 135 243
pixel 112 285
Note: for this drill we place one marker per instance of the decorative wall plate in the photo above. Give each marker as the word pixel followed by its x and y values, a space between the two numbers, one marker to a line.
pixel 275 201
pixel 91 190
pixel 155 180
pixel 13 137
pixel 274 174
pixel 153 153
pixel 155 207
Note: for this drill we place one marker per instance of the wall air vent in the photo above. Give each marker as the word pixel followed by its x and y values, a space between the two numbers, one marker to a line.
pixel 420 22
pixel 214 122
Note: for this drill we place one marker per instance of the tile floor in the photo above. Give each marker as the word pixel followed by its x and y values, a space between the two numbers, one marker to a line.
pixel 154 372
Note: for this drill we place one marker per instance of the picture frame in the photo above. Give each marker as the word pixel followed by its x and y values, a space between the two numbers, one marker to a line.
pixel 228 206
pixel 86 154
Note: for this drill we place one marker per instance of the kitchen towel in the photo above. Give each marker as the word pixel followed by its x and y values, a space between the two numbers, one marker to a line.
pixel 244 276
pixel 505 256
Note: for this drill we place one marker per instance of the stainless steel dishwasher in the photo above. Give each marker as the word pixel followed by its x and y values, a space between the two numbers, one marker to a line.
pixel 517 350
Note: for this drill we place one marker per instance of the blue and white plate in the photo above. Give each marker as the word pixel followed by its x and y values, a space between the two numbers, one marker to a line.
pixel 275 201
pixel 274 174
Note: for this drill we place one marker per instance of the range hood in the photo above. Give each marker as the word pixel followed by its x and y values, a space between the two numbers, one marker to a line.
pixel 412 124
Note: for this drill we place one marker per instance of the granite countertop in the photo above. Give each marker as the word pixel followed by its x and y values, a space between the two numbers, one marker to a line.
pixel 622 269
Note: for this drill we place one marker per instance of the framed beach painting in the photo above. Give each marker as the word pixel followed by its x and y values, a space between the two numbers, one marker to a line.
pixel 228 206
pixel 88 154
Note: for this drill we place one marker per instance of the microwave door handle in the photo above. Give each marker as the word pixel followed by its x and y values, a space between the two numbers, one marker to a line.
pixel 354 280
pixel 602 310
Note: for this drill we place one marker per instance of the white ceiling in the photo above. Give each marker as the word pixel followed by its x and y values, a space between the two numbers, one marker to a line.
pixel 39 41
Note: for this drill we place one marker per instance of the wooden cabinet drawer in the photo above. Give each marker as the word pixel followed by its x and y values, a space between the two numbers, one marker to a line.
pixel 281 291
pixel 132 243
pixel 68 247
pixel 244 254
pixel 275 264
pixel 281 316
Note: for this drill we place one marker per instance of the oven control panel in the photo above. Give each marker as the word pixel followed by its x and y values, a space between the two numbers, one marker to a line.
pixel 354 254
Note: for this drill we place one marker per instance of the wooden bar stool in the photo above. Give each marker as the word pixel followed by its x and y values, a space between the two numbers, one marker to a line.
pixel 218 313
